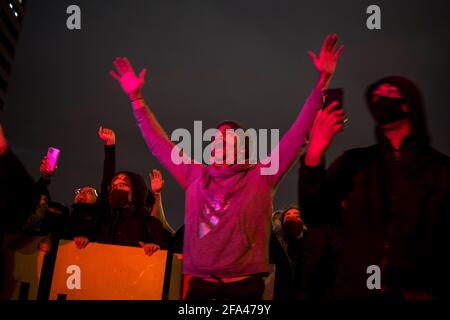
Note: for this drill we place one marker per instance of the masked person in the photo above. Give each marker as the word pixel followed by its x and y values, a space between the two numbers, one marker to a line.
pixel 84 216
pixel 124 218
pixel 228 204
pixel 389 202
pixel 286 246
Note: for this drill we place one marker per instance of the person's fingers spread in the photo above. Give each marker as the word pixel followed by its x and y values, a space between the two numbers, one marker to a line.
pixel 127 65
pixel 114 75
pixel 329 43
pixel 339 51
pixel 313 56
pixel 143 73
pixel 124 66
pixel 325 44
pixel 333 43
pixel 118 66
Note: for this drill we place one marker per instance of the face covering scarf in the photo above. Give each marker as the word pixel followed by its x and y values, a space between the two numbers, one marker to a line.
pixel 388 110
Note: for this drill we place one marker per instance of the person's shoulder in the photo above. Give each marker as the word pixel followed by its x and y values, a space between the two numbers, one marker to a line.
pixel 440 159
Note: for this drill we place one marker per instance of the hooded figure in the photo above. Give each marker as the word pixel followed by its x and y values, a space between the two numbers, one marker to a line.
pixel 286 243
pixel 413 98
pixel 390 205
pixel 125 220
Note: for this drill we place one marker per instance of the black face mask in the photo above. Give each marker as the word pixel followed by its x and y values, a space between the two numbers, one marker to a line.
pixel 292 228
pixel 388 110
pixel 118 199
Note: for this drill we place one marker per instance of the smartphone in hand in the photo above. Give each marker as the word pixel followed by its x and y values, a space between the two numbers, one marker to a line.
pixel 52 157
pixel 332 95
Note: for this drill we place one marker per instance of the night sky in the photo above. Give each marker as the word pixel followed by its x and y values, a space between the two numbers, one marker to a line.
pixel 210 61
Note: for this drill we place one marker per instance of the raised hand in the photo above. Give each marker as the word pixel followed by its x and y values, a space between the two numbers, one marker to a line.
pixel 156 181
pixel 327 124
pixel 149 248
pixel 45 169
pixel 325 63
pixel 107 135
pixel 125 75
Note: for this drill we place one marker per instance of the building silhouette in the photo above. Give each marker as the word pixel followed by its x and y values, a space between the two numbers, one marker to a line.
pixel 11 16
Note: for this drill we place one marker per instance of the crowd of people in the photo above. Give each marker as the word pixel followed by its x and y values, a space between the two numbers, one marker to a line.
pixel 385 205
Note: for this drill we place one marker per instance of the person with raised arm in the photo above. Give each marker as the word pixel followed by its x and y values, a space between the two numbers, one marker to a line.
pixel 228 206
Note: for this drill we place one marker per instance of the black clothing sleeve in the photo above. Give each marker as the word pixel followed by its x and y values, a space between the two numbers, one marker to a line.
pixel 19 196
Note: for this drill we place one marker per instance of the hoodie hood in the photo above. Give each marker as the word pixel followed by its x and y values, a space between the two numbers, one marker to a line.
pixel 138 188
pixel 413 98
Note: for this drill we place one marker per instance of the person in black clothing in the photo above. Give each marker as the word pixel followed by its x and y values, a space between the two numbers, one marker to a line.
pixel 34 223
pixel 50 218
pixel 84 216
pixel 316 268
pixel 124 218
pixel 19 195
pixel 286 241
pixel 389 202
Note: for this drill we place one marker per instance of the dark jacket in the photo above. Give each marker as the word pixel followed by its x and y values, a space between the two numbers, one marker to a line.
pixel 127 226
pixel 19 195
pixel 389 212
pixel 284 272
pixel 316 269
pixel 285 253
pixel 84 220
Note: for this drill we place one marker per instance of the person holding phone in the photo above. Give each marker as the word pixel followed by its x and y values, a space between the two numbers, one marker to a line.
pixel 389 202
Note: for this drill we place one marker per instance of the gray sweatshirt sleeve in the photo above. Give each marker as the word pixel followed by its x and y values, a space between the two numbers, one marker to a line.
pixel 161 147
pixel 290 146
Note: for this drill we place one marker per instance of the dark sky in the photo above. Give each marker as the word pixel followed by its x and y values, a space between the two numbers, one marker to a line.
pixel 210 61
